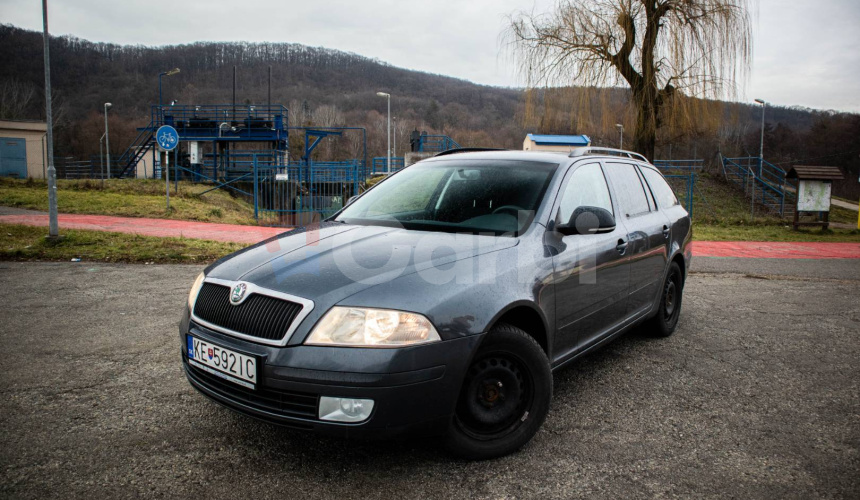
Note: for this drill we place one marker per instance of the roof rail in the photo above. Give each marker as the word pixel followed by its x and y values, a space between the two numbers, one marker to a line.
pixel 607 151
pixel 466 150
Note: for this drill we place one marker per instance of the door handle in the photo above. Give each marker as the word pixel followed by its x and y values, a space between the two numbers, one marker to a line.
pixel 621 246
pixel 665 231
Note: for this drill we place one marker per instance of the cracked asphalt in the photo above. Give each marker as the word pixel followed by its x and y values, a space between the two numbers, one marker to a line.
pixel 755 396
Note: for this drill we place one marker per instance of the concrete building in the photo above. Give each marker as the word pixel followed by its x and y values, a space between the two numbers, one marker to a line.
pixel 559 143
pixel 22 149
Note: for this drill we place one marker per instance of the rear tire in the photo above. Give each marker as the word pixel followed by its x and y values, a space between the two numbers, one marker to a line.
pixel 505 396
pixel 664 323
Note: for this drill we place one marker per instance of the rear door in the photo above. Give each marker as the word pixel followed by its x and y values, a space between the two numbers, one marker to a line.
pixel 590 271
pixel 648 234
pixel 13 157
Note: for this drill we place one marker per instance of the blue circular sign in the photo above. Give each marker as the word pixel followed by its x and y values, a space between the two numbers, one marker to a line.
pixel 167 137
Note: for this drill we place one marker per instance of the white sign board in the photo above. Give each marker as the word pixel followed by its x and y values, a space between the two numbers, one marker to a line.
pixel 813 196
pixel 194 152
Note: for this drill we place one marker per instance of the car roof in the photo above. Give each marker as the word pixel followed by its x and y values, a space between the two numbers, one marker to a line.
pixel 542 156
pixel 558 157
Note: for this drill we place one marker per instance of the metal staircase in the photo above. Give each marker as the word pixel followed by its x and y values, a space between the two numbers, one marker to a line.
pixel 765 182
pixel 141 145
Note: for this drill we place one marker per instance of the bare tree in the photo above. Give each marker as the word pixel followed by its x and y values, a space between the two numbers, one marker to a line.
pixel 15 99
pixel 664 50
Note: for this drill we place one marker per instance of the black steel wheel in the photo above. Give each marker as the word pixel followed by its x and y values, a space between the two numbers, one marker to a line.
pixel 666 320
pixel 504 398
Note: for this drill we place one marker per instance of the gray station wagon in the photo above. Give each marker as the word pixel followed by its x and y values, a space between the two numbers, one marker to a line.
pixel 441 300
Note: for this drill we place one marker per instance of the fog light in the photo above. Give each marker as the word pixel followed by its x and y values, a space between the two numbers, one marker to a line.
pixel 345 409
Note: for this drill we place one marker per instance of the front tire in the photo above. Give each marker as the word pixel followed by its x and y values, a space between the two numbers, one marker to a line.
pixel 505 396
pixel 663 324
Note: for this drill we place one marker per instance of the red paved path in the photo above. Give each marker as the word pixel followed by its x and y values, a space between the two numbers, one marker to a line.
pixel 253 234
pixel 152 227
pixel 776 250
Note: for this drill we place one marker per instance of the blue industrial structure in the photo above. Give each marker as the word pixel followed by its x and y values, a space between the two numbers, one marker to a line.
pixel 245 148
pixel 573 141
pixel 224 126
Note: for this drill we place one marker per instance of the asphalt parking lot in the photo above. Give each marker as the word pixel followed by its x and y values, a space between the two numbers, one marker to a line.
pixel 757 395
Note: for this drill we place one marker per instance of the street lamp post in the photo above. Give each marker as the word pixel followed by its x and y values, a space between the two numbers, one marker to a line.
pixel 621 136
pixel 760 161
pixel 107 138
pixel 761 147
pixel 102 157
pixel 394 141
pixel 164 73
pixel 388 164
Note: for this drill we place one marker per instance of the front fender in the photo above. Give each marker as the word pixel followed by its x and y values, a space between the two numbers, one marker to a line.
pixel 469 297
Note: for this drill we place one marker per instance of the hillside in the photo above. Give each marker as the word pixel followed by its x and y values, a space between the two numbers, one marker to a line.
pixel 324 87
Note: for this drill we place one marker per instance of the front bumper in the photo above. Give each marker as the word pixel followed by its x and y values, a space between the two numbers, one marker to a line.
pixel 414 389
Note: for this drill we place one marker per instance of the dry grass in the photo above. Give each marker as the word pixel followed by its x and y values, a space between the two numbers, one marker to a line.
pixel 129 198
pixel 30 243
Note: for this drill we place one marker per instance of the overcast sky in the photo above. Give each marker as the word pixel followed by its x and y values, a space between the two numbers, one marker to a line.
pixel 807 52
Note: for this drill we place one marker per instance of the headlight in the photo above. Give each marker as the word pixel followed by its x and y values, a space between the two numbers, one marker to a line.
pixel 359 327
pixel 195 288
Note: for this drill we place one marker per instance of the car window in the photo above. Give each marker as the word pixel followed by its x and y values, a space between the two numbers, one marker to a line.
pixel 586 188
pixel 628 187
pixel 456 195
pixel 418 189
pixel 652 205
pixel 661 189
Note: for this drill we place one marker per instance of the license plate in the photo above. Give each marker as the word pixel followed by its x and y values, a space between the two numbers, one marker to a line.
pixel 225 363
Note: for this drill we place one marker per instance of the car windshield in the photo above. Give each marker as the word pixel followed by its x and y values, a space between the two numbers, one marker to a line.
pixel 476 196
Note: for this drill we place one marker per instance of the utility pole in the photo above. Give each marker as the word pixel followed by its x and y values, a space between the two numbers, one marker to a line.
pixel 621 137
pixel 53 224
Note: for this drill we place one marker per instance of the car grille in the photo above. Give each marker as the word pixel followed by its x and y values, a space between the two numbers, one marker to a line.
pixel 258 316
pixel 286 403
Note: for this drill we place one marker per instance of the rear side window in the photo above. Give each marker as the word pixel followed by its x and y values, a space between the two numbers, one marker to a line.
pixel 661 189
pixel 631 193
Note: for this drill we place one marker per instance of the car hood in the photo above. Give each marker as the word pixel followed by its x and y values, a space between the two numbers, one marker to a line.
pixel 332 261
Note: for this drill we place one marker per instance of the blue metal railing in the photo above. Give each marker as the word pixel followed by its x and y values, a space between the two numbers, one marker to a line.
pixel 766 183
pixel 685 170
pixel 379 164
pixel 436 143
pixel 302 193
pixel 212 115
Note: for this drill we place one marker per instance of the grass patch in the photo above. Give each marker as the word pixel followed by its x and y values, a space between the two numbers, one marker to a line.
pixel 771 233
pixel 721 213
pixel 30 243
pixel 129 198
pixel 718 203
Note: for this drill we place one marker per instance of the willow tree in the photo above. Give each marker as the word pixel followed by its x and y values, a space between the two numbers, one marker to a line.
pixel 664 50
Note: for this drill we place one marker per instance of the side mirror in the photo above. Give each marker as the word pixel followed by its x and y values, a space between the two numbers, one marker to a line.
pixel 588 220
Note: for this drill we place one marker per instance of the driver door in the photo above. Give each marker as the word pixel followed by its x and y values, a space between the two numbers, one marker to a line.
pixel 590 271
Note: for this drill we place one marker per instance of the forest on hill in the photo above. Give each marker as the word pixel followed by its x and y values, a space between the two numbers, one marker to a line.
pixel 324 87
